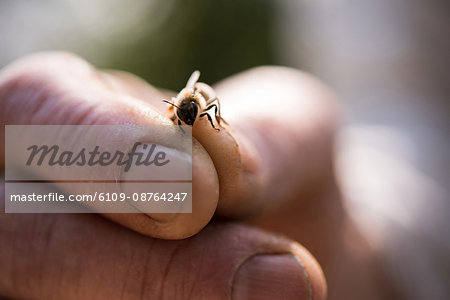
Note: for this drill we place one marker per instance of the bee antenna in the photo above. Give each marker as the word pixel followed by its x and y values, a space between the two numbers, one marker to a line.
pixel 171 103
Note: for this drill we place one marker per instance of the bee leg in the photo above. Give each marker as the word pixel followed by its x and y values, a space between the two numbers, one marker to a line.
pixel 212 100
pixel 179 125
pixel 210 120
pixel 211 106
pixel 217 114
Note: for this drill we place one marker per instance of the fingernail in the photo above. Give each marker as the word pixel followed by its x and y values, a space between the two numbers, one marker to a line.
pixel 162 179
pixel 271 277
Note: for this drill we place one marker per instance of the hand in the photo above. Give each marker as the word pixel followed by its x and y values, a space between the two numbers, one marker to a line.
pixel 278 171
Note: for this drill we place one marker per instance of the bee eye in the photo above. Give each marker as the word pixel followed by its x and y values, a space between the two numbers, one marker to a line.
pixel 187 112
pixel 194 110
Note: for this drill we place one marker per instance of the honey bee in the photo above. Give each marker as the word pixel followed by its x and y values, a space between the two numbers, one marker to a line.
pixel 195 101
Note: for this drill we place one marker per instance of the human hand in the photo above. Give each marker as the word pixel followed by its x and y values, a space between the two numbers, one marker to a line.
pixel 275 155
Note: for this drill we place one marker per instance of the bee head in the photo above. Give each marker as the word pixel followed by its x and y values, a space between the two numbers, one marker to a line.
pixel 187 110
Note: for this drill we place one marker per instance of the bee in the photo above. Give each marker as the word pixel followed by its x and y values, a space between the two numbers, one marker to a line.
pixel 194 101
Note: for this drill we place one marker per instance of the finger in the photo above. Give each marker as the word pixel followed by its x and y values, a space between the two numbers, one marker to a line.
pixel 279 142
pixel 82 256
pixel 55 88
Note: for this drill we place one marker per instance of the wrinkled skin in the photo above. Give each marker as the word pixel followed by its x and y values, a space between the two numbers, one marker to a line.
pixel 272 168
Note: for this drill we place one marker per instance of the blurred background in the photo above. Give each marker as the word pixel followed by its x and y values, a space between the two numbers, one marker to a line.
pixel 387 60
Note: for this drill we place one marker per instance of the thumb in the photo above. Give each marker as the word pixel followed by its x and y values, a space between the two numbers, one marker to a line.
pixel 62 89
pixel 223 261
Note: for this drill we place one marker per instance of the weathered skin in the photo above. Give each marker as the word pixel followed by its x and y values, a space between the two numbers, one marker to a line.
pixel 273 162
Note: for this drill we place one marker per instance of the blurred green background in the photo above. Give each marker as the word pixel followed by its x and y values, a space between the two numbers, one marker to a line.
pixel 160 41
pixel 219 38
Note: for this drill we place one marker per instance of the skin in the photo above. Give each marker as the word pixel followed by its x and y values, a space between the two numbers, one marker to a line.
pixel 272 168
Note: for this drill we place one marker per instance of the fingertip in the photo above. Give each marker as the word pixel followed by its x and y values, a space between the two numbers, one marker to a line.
pixel 271 277
pixel 313 272
pixel 173 226
pixel 61 88
pixel 238 178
